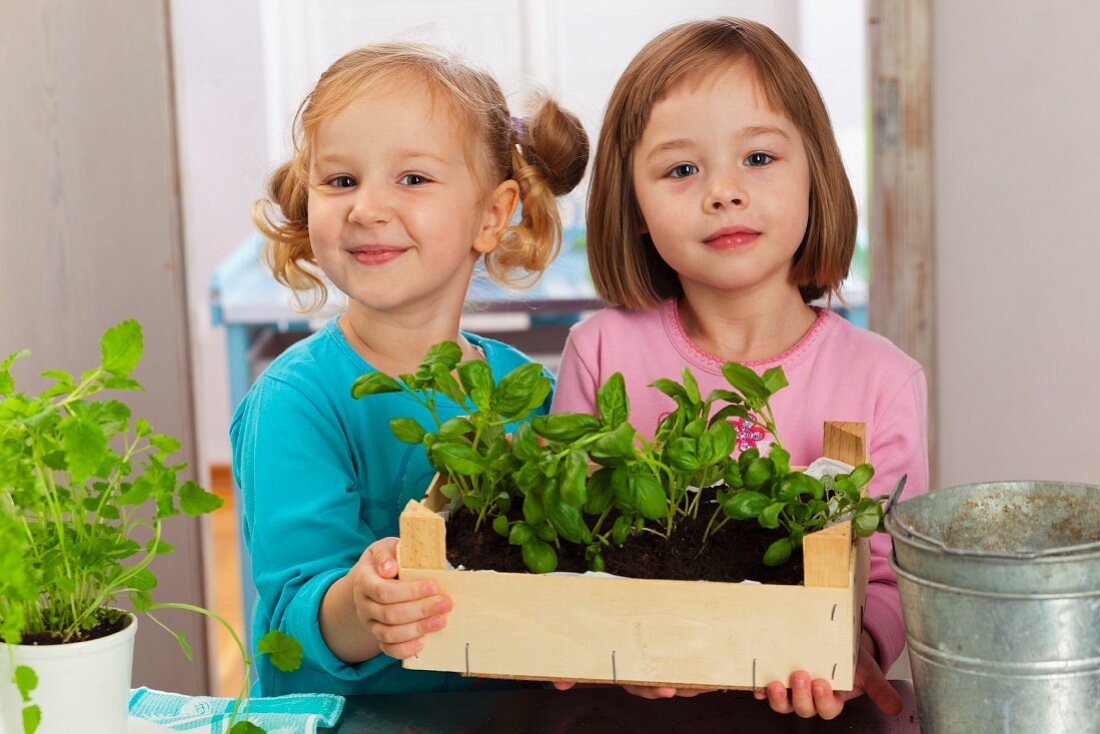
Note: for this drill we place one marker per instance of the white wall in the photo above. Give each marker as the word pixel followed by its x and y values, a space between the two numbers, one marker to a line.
pixel 1017 239
pixel 224 161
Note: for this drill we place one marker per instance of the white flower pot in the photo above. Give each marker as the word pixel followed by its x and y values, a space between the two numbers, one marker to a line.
pixel 82 686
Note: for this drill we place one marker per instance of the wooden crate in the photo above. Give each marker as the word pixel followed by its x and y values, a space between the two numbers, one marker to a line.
pixel 652 632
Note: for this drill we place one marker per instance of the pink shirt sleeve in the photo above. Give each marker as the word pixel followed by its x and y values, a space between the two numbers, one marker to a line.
pixel 898 445
pixel 575 389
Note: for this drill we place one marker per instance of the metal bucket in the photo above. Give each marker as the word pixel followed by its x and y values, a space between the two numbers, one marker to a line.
pixel 1000 588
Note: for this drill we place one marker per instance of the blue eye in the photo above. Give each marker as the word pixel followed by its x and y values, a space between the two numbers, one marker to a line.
pixel 413 179
pixel 683 170
pixel 758 159
pixel 342 182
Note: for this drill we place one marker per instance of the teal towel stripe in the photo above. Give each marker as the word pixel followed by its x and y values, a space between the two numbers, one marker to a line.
pixel 296 714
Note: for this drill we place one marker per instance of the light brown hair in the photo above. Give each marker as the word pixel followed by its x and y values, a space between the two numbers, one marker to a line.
pixel 545 154
pixel 626 268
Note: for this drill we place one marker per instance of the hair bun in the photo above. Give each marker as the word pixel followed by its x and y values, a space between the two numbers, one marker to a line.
pixel 555 141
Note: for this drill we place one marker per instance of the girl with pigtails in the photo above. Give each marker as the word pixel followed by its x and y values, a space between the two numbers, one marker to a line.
pixel 407 169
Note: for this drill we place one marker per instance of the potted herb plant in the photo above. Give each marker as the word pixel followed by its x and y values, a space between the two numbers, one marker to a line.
pixel 566 484
pixel 85 488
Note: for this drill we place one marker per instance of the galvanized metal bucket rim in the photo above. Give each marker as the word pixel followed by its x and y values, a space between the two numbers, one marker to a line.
pixel 910 533
pixel 938 586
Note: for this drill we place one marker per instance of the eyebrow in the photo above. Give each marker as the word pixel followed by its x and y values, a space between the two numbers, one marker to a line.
pixel 337 157
pixel 753 131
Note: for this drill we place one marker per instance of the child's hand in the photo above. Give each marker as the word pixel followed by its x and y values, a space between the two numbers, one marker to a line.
pixel 645 691
pixel 816 698
pixel 396 613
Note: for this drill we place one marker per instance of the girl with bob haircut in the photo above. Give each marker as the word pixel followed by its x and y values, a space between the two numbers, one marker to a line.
pixel 718 210
pixel 407 169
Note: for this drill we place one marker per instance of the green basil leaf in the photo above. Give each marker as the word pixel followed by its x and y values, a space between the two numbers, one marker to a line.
pixel 566 518
pixel 862 474
pixel 539 557
pixel 373 383
pixel 611 399
pixel 746 382
pixel 778 552
pixel 732 476
pixel 596 563
pixel 574 479
pixel 781 458
pixel 565 427
pixel 774 380
pixel 446 383
pixel 477 380
pixel 759 473
pixel 407 430
pixel 769 516
pixel 745 505
pixel 446 353
pixel 516 390
pixel 680 455
pixel 620 531
pixel 525 443
pixel 456 459
pixel 649 497
pixel 669 387
pixel 500 526
pixel 533 511
pixel 723 437
pixel 520 533
pixel 615 444
pixel 691 388
pixel 599 492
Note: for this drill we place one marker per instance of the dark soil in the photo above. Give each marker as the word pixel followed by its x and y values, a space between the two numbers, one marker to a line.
pixel 109 622
pixel 734 554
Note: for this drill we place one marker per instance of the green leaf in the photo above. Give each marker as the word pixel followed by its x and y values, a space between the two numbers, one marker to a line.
pixel 781 458
pixel 500 526
pixel 862 474
pixel 745 505
pixel 85 447
pixel 599 492
pixel 121 348
pixel 143 580
pixel 746 382
pixel 596 563
pixel 26 680
pixel 477 379
pixel 732 476
pixel 446 353
pixel 669 387
pixel 122 383
pixel 796 485
pixel 681 455
pixel 867 521
pixel 520 533
pixel 456 459
pixel 612 401
pixel 723 437
pixel 574 478
pixel 774 380
pixel 285 651
pixel 649 497
pixel 408 430
pixel 142 427
pixel 769 516
pixel 620 531
pixel 691 388
pixel 533 511
pixel 759 473
pixel 565 427
pixel 525 443
pixel 445 383
pixel 615 444
pixel 539 557
pixel 520 391
pixel 166 444
pixel 448 490
pixel 246 727
pixel 195 501
pixel 374 383
pixel 159 547
pixel 32 717
pixel 730 411
pixel 566 518
pixel 778 552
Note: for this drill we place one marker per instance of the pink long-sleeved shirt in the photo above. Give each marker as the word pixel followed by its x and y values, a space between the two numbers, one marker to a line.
pixel 837 372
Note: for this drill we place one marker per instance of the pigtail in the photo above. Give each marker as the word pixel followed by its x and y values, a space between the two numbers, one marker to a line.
pixel 282 218
pixel 549 156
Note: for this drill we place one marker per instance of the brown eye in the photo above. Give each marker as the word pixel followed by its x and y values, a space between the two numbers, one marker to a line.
pixel 758 159
pixel 683 170
pixel 342 182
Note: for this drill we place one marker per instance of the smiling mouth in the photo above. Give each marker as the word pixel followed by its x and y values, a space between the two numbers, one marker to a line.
pixel 727 239
pixel 376 255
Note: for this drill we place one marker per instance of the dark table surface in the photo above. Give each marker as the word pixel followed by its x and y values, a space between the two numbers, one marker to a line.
pixel 604 710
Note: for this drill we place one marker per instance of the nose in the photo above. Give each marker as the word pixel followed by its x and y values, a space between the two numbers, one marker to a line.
pixel 369 207
pixel 725 191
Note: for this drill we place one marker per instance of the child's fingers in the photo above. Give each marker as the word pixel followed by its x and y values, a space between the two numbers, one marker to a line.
pixel 828 704
pixel 382 556
pixel 398 634
pixel 403 650
pixel 780 702
pixel 651 691
pixel 419 609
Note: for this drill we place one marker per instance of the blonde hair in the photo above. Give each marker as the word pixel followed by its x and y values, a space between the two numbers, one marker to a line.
pixel 626 269
pixel 546 155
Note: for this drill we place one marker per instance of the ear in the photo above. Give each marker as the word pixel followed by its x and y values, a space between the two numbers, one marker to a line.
pixel 498 215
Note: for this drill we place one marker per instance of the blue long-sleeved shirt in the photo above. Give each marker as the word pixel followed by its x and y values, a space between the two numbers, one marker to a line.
pixel 322 478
